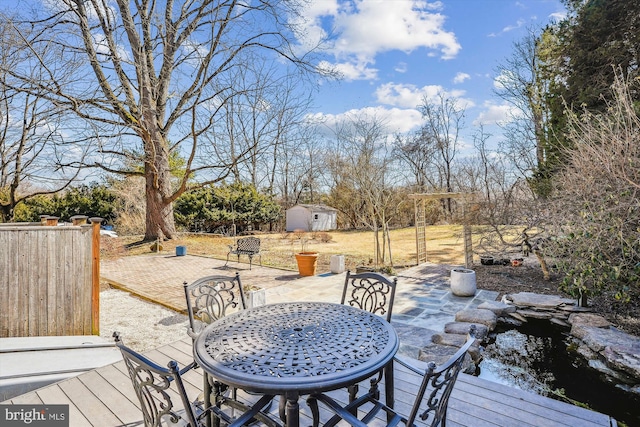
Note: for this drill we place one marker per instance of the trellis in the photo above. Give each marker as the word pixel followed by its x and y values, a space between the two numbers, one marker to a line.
pixel 419 203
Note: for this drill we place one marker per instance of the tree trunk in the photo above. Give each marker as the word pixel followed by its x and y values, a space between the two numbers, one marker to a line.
pixel 159 221
pixel 389 243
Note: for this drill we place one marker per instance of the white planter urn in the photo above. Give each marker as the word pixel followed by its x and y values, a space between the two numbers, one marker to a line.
pixel 463 282
pixel 337 264
pixel 256 298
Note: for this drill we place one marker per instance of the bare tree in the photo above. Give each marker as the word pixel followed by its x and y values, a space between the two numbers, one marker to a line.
pixel 417 151
pixel 503 204
pixel 155 79
pixel 443 120
pixel 36 149
pixel 304 171
pixel 521 83
pixel 259 121
pixel 362 168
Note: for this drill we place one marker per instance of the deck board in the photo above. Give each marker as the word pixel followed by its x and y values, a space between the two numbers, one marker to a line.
pixel 54 394
pixel 112 397
pixel 87 402
pixel 105 397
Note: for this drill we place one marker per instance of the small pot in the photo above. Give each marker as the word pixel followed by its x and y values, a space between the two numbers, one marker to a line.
pixel 516 262
pixel 486 260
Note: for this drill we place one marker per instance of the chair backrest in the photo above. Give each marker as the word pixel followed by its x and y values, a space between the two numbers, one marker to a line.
pixel 440 381
pixel 151 382
pixel 249 244
pixel 371 292
pixel 211 298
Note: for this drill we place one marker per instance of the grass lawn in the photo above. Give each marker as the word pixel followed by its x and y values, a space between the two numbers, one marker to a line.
pixel 444 245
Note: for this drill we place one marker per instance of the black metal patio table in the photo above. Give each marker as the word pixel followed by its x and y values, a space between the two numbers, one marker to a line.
pixel 294 349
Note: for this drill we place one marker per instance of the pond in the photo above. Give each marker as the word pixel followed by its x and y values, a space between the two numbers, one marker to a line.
pixel 535 357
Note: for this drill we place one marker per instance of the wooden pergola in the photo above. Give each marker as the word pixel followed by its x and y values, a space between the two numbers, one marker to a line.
pixel 419 202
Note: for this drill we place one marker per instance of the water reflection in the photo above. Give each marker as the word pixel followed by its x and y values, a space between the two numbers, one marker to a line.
pixel 514 359
pixel 535 358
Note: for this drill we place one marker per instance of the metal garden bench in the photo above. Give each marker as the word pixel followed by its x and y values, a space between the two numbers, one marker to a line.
pixel 248 246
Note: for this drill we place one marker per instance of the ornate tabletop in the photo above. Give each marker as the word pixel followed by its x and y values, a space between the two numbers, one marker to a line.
pixel 296 348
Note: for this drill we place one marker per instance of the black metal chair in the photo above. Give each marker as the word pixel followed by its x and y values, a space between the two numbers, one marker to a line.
pixel 431 407
pixel 371 292
pixel 151 383
pixel 374 293
pixel 209 299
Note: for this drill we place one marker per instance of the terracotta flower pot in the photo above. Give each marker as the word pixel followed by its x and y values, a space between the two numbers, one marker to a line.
pixel 307 263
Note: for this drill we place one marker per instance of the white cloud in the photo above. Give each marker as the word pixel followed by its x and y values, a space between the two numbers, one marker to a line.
pixel 500 81
pixel 398 25
pixel 396 119
pixel 461 77
pixel 558 16
pixel 519 23
pixel 411 96
pixel 352 70
pixel 367 28
pixel 496 114
pixel 401 67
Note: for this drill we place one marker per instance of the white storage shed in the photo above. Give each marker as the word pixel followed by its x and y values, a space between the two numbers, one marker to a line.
pixel 311 218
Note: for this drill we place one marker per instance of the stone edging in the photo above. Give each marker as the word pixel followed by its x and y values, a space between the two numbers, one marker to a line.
pixel 607 349
pixel 612 352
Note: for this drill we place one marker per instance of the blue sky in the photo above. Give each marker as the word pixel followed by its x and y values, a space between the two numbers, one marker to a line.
pixel 392 52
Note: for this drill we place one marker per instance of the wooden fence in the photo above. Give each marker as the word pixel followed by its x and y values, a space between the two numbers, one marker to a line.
pixel 50 278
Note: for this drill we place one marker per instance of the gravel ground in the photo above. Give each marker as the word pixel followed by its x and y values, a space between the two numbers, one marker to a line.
pixel 142 325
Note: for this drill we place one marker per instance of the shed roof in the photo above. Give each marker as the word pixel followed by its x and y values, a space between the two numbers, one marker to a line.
pixel 316 208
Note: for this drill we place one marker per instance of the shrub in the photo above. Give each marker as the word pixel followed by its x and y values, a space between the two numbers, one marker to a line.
pixel 596 206
pixel 324 237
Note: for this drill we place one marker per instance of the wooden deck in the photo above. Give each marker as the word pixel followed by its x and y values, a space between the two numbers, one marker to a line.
pixel 105 397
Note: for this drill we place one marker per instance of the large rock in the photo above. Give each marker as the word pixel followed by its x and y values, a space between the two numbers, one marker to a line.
pixel 498 307
pixel 619 350
pixel 462 328
pixel 541 301
pixel 589 319
pixel 412 338
pixel 455 340
pixel 624 358
pixel 440 354
pixel 535 314
pixel 559 322
pixel 484 317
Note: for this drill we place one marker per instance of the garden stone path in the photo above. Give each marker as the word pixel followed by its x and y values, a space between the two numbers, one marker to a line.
pixel 423 303
pixel 424 307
